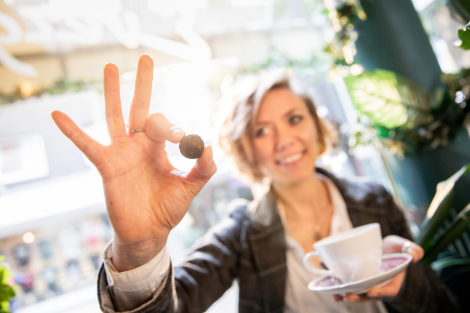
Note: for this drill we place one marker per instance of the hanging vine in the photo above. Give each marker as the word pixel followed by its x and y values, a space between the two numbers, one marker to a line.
pixel 342 15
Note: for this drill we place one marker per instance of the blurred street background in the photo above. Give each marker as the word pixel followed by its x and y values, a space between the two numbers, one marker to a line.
pixel 53 222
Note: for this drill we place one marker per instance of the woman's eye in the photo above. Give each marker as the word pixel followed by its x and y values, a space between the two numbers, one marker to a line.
pixel 260 132
pixel 295 119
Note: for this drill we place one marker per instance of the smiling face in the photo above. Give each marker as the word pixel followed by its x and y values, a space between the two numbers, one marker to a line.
pixel 285 138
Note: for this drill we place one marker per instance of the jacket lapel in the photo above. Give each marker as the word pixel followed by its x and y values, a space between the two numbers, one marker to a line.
pixel 365 201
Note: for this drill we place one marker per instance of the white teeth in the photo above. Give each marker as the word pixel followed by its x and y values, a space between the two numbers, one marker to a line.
pixel 291 159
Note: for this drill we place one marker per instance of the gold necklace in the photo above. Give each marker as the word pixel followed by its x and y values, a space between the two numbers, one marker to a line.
pixel 282 213
pixel 317 235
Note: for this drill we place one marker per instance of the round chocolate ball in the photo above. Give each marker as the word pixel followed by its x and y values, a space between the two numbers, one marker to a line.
pixel 191 146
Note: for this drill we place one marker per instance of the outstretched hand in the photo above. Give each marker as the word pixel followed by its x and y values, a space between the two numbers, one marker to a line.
pixel 145 195
pixel 390 244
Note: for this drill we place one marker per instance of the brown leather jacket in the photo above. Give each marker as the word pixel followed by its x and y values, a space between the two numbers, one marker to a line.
pixel 250 247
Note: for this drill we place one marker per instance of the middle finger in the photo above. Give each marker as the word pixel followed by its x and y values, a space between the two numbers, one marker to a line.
pixel 139 111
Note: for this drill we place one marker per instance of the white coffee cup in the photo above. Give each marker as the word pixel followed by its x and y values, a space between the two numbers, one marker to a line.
pixel 351 255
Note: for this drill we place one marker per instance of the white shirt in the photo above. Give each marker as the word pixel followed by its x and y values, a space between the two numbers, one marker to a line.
pixel 298 297
pixel 136 287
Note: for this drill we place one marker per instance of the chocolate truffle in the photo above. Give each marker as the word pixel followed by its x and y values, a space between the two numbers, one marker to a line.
pixel 191 146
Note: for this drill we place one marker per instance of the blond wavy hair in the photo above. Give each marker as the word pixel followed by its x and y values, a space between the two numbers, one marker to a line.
pixel 235 133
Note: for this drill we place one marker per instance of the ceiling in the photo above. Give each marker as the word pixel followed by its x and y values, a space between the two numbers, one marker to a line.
pixel 66 25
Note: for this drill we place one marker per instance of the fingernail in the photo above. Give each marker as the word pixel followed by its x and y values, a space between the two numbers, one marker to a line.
pixel 176 132
pixel 211 158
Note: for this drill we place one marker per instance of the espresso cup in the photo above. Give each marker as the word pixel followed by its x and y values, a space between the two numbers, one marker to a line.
pixel 351 255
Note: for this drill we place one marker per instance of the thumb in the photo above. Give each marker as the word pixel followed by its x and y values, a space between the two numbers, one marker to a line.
pixel 202 170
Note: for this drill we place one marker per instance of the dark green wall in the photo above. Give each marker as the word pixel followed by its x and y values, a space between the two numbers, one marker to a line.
pixel 393 38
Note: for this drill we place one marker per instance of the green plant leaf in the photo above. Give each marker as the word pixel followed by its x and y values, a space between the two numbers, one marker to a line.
pixel 464 36
pixel 450 261
pixel 439 209
pixel 6 291
pixel 5 275
pixel 430 226
pixel 4 307
pixel 460 224
pixel 389 100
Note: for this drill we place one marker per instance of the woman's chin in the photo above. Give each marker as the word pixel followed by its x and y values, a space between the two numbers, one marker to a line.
pixel 293 177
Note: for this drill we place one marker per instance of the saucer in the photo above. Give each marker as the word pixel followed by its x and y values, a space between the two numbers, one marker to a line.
pixel 392 264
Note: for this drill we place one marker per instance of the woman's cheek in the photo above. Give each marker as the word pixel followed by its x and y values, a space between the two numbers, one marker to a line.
pixel 263 153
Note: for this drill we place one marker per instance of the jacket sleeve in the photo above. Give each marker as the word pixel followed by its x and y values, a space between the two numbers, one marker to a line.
pixel 161 302
pixel 207 272
pixel 422 290
pixel 210 269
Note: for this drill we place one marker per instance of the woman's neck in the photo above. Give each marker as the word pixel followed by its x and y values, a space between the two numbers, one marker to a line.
pixel 304 199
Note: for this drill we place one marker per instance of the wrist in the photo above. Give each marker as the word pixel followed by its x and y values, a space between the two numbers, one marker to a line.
pixel 129 256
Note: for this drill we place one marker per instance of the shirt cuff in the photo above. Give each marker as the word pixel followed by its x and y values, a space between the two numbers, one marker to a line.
pixel 150 273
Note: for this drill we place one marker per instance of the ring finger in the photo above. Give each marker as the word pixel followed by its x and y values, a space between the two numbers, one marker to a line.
pixel 139 111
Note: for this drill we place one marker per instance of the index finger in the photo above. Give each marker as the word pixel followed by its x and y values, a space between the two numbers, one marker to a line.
pixel 160 129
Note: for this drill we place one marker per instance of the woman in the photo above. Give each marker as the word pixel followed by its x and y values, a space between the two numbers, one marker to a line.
pixel 273 132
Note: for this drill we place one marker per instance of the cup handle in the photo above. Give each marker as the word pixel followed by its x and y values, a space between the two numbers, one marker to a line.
pixel 312 268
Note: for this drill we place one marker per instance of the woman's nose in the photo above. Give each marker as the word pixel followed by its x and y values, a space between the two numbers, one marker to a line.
pixel 283 139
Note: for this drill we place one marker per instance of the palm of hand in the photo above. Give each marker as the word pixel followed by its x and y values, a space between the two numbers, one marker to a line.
pixel 142 189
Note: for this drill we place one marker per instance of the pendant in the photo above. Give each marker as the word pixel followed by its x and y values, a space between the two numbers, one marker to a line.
pixel 316 233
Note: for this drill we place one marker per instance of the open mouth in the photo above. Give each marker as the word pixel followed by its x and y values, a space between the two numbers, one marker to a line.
pixel 290 159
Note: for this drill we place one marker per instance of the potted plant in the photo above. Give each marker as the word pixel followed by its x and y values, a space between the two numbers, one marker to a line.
pixel 440 231
pixel 8 288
